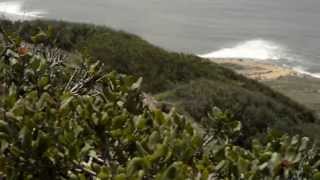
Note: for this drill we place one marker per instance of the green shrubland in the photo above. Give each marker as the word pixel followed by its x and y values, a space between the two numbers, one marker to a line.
pixel 192 84
pixel 65 120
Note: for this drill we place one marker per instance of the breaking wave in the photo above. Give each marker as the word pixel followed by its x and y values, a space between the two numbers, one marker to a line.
pixel 303 71
pixel 14 10
pixel 257 49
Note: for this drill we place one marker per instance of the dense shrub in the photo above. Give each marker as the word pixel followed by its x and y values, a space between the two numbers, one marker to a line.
pixel 163 71
pixel 73 121
pixel 255 110
pixel 62 122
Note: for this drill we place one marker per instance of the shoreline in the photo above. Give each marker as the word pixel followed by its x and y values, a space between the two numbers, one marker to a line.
pixel 261 70
pixel 300 87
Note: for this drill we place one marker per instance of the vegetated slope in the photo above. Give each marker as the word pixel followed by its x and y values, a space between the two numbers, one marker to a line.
pixel 75 121
pixel 192 83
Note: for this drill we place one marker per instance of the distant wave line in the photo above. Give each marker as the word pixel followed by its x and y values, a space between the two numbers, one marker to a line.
pixel 260 49
pixel 302 71
pixel 257 49
pixel 15 10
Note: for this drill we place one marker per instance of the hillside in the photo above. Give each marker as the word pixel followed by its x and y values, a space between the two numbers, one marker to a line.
pixel 188 82
pixel 66 119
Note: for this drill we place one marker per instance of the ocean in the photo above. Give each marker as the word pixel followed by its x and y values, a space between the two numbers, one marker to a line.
pixel 286 32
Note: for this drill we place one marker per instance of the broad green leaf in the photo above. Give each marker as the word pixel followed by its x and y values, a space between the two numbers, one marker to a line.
pixel 135 165
pixel 316 176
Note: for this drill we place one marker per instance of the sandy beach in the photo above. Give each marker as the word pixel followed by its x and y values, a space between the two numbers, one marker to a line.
pixel 258 70
pixel 300 87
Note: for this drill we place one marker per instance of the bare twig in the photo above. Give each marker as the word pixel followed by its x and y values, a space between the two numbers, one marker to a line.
pixel 71 79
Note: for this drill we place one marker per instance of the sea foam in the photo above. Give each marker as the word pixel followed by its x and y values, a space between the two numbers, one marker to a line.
pixel 303 71
pixel 257 49
pixel 14 10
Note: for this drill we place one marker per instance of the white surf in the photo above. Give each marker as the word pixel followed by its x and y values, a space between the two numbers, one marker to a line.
pixel 14 10
pixel 303 71
pixel 257 49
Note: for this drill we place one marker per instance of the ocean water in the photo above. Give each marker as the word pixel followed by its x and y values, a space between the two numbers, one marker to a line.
pixel 286 32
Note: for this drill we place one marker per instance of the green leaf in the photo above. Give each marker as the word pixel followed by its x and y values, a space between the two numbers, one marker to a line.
pixel 3 145
pixel 65 103
pixel 104 173
pixel 161 151
pixel 304 144
pixel 34 63
pixel 94 68
pixel 220 165
pixel 40 37
pixel 275 164
pixel 3 126
pixel 25 136
pixel 231 154
pixel 316 176
pixel 43 81
pixel 119 121
pixel 121 177
pixel 243 165
pixel 137 84
pixel 153 139
pixel 135 165
pixel 237 127
pixel 173 171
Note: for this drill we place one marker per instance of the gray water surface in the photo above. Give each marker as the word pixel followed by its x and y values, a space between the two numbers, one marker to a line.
pixel 203 26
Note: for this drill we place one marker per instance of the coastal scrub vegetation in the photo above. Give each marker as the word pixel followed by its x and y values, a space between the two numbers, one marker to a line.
pixel 188 82
pixel 65 120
